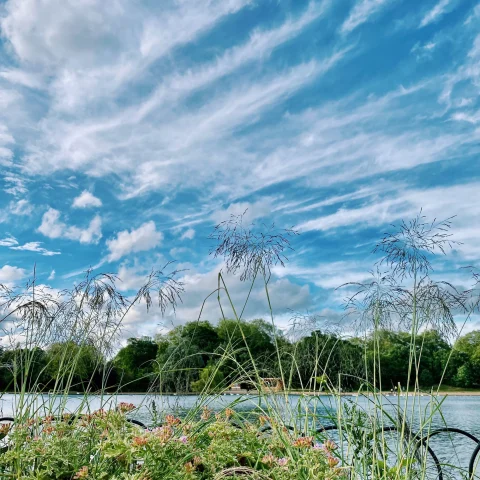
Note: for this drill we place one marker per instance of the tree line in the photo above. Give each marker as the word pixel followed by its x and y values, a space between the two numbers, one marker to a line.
pixel 199 355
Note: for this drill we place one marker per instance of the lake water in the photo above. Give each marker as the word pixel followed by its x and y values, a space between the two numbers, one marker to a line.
pixel 462 412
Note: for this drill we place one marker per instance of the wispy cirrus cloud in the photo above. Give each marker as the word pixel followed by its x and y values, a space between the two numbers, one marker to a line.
pixel 21 207
pixel 440 9
pixel 361 12
pixel 6 144
pixel 13 244
pixel 35 247
pixel 188 234
pixel 407 203
pixel 75 40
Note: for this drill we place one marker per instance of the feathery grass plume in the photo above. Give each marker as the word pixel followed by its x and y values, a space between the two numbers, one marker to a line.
pixel 407 254
pixel 248 249
pixel 164 283
pixel 407 249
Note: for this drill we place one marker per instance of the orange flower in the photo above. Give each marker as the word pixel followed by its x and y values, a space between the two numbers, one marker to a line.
pixel 269 459
pixel 125 407
pixel 206 413
pixel 82 473
pixel 263 419
pixel 330 445
pixel 332 461
pixel 163 433
pixel 303 442
pixel 172 421
pixel 139 441
pixel 5 428
pixel 100 413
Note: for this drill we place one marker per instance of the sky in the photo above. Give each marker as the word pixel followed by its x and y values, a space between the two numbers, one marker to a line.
pixel 129 128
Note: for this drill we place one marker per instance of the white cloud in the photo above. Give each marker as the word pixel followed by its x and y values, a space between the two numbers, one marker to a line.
pixel 142 239
pixel 434 202
pixel 328 275
pixel 260 44
pixel 424 51
pixel 383 135
pixel 9 275
pixel 52 275
pixel 91 51
pixel 460 88
pixel 86 199
pixel 473 16
pixel 53 227
pixel 8 242
pixel 6 143
pixel 35 247
pixel 249 211
pixel 188 234
pixel 12 243
pixel 21 207
pixel 361 13
pixel 285 296
pixel 378 213
pixel 436 12
pixel 22 77
pixel 14 184
pixel 131 278
pixel 165 145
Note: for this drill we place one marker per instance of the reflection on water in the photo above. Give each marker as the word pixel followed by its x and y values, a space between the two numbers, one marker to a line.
pixel 462 412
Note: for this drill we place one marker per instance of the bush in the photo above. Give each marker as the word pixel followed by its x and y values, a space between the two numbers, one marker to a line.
pixel 104 445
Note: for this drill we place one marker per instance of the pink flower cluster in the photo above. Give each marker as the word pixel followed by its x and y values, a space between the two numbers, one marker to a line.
pixel 271 460
pixel 125 407
pixel 327 448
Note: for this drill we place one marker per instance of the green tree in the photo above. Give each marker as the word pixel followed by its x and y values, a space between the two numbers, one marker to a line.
pixel 464 376
pixel 211 379
pixel 184 352
pixel 469 344
pixel 27 367
pixel 135 363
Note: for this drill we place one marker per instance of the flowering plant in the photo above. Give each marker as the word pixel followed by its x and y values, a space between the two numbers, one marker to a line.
pixel 105 445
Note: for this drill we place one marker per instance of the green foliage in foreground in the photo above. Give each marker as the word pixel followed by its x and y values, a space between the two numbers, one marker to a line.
pixel 103 445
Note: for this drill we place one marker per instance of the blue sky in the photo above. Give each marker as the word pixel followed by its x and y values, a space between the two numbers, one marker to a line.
pixel 129 128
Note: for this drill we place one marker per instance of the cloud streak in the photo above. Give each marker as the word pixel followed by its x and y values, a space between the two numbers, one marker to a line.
pixel 436 12
pixel 361 12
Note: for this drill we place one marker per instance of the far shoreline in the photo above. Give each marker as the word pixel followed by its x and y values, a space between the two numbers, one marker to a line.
pixel 442 393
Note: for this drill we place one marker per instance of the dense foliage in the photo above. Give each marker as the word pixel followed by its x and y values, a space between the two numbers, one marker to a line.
pixel 199 356
pixel 104 445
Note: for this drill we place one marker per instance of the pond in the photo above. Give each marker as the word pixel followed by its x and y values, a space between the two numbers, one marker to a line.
pixel 462 412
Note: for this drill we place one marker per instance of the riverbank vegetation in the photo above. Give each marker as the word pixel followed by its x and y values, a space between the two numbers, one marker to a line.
pixel 182 360
pixel 402 330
